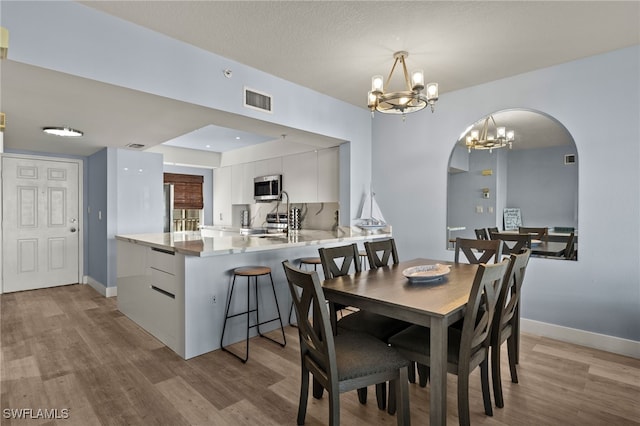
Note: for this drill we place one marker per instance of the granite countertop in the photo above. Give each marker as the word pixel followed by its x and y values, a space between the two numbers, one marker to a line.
pixel 210 242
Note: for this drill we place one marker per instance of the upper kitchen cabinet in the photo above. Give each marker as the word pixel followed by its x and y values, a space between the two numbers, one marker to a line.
pixel 222 196
pixel 329 175
pixel 312 177
pixel 300 177
pixel 271 166
pixel 242 183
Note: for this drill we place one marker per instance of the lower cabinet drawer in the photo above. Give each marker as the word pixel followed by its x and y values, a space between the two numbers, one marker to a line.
pixel 163 321
pixel 163 260
pixel 164 281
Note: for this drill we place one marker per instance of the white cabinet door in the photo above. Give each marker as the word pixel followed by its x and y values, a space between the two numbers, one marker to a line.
pixel 242 183
pixel 271 166
pixel 329 175
pixel 300 177
pixel 222 196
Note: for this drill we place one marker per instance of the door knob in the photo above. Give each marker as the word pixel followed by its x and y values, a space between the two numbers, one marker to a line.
pixel 73 229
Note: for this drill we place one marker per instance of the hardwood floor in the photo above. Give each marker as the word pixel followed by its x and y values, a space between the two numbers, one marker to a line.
pixel 69 348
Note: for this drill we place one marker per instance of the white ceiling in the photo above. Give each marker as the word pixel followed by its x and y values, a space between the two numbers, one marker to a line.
pixel 332 47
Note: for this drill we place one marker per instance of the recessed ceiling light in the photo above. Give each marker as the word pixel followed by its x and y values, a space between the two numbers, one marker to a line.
pixel 63 131
pixel 207 146
pixel 237 138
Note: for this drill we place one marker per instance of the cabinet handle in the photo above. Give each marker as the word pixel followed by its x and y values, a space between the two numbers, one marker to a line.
pixel 163 251
pixel 220 216
pixel 161 291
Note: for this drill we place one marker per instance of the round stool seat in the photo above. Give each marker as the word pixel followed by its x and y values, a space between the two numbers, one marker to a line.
pixel 252 271
pixel 311 260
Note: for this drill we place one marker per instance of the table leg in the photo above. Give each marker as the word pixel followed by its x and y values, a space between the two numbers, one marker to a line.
pixel 438 392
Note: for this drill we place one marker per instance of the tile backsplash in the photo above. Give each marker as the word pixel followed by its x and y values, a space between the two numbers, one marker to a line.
pixel 320 216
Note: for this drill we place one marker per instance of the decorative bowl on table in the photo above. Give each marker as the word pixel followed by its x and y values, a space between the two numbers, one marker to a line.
pixel 426 273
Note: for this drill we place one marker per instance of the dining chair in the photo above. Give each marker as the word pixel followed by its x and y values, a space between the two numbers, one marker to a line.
pixel 361 321
pixel 343 362
pixel 481 234
pixel 506 326
pixel 536 233
pixel 380 252
pixel 468 347
pixel 513 243
pixel 492 230
pixel 336 262
pixel 570 249
pixel 478 251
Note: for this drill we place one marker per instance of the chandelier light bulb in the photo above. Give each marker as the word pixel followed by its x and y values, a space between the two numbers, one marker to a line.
pixel 432 91
pixel 377 84
pixel 417 80
pixel 501 132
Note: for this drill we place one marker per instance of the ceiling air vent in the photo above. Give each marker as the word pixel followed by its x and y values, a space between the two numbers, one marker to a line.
pixel 135 145
pixel 257 100
pixel 570 159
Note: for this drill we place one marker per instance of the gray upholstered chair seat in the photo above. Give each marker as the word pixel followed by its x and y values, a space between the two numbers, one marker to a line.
pixel 376 325
pixel 418 339
pixel 360 355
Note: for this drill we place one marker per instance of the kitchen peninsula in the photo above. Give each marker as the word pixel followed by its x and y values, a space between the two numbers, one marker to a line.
pixel 175 285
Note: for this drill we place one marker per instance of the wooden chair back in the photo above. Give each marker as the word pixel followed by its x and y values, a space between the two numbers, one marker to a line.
pixel 479 315
pixel 536 233
pixel 570 249
pixel 331 256
pixel 513 243
pixel 482 234
pixel 317 345
pixel 510 294
pixel 478 251
pixel 379 252
pixel 492 230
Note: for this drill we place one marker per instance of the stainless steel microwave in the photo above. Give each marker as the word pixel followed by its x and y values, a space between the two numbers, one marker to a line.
pixel 267 188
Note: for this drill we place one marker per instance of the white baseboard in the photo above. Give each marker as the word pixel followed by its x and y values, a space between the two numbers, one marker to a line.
pixel 580 337
pixel 101 288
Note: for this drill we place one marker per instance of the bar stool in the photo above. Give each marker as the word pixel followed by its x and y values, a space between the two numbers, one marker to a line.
pixel 363 258
pixel 315 261
pixel 252 271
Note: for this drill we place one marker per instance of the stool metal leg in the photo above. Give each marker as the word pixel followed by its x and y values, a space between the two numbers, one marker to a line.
pixel 284 339
pixel 227 316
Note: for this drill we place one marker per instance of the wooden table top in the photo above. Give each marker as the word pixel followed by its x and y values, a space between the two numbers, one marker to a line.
pixel 548 248
pixel 387 291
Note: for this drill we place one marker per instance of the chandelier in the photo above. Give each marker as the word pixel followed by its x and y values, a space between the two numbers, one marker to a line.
pixel 482 139
pixel 400 102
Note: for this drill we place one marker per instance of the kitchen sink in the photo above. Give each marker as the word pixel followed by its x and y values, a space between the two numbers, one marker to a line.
pixel 262 232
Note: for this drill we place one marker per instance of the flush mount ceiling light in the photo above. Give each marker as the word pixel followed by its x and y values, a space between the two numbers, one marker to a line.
pixel 401 102
pixel 482 139
pixel 63 131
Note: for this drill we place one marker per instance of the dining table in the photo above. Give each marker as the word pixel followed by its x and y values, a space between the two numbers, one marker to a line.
pixel 548 248
pixel 435 304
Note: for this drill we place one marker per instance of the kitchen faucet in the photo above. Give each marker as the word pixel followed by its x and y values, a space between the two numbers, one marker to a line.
pixel 287 211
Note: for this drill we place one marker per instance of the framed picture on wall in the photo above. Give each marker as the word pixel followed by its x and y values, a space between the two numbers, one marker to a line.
pixel 511 219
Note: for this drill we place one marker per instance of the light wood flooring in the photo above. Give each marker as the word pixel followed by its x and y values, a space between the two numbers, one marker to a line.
pixel 70 348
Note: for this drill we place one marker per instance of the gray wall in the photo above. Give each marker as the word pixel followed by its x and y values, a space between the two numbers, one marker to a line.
pixel 543 187
pixel 599 293
pixel 96 249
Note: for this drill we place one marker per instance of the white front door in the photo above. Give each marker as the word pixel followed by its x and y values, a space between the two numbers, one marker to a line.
pixel 40 223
